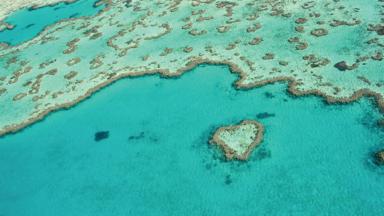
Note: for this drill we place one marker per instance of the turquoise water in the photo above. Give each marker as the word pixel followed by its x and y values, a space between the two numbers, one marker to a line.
pixel 315 159
pixel 28 23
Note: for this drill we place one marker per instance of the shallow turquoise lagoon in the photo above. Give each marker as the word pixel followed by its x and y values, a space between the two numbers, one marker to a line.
pixel 29 23
pixel 315 159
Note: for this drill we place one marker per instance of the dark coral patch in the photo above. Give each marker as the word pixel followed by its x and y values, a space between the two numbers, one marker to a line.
pixel 379 158
pixel 262 154
pixel 269 95
pixel 228 180
pixel 264 115
pixel 141 135
pixel 380 30
pixel 29 25
pixel 74 15
pixel 101 135
pixel 343 66
pixel 380 123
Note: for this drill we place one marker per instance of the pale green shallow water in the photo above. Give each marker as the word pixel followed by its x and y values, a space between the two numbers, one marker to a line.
pixel 315 159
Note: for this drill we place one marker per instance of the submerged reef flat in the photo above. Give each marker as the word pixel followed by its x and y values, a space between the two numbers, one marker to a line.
pixel 329 48
pixel 9 6
pixel 238 141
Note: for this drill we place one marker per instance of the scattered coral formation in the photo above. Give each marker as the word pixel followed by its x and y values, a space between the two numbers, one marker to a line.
pixel 9 6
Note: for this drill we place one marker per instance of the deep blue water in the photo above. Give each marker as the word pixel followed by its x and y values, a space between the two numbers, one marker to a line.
pixel 315 159
pixel 29 23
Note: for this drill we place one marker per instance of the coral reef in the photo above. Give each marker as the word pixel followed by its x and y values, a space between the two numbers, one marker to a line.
pixel 238 141
pixel 333 49
pixel 9 6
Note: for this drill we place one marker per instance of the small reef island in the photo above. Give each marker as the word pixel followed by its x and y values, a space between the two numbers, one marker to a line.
pixel 238 141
